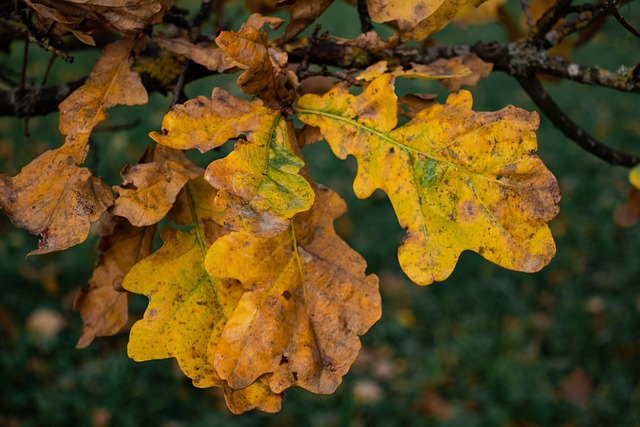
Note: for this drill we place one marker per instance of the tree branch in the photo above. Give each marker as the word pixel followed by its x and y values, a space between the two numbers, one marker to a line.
pixel 536 92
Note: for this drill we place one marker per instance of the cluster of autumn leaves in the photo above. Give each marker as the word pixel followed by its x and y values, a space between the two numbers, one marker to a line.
pixel 252 290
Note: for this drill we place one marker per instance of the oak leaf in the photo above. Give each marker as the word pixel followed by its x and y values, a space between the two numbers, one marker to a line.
pixel 303 13
pixel 110 83
pixel 150 187
pixel 458 180
pixel 265 77
pixel 187 307
pixel 437 70
pixel 102 303
pixel 307 301
pixel 259 182
pixel 211 57
pixel 55 198
pixel 477 67
pixel 417 19
pixel 124 16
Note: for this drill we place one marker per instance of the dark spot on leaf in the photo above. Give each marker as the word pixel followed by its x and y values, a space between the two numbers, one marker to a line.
pixel 284 359
pixel 295 375
pixel 498 178
pixel 391 150
pixel 286 295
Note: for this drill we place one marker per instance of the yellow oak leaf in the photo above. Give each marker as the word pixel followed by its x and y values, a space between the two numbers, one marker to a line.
pixel 307 301
pixel 255 396
pixel 110 83
pixel 265 77
pixel 437 70
pixel 206 123
pixel 102 303
pixel 195 205
pixel 417 19
pixel 259 182
pixel 150 187
pixel 55 198
pixel 187 307
pixel 458 179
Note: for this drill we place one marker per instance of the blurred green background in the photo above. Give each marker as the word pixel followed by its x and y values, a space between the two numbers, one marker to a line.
pixel 488 347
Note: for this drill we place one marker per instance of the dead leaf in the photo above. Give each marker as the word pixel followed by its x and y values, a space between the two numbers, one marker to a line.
pixel 458 180
pixel 102 303
pixel 206 123
pixel 264 77
pixel 45 323
pixel 124 16
pixel 150 188
pixel 307 300
pixel 437 70
pixel 54 198
pixel 211 57
pixel 187 307
pixel 196 203
pixel 255 396
pixel 478 70
pixel 417 19
pixel 628 215
pixel 259 182
pixel 110 83
pixel 476 15
pixel 303 14
pixel 576 387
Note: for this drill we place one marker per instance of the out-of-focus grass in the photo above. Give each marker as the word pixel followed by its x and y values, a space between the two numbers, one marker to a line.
pixel 487 347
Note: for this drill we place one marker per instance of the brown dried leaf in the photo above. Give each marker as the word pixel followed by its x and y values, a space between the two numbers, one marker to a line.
pixel 102 302
pixel 211 57
pixel 124 16
pixel 110 83
pixel 264 77
pixel 303 14
pixel 54 198
pixel 307 300
pixel 150 188
pixel 577 387
pixel 479 70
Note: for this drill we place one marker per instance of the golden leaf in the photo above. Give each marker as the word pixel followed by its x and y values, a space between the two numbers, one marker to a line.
pixel 206 123
pixel 264 77
pixel 187 307
pixel 417 19
pixel 259 182
pixel 150 187
pixel 110 83
pixel 458 180
pixel 307 300
pixel 102 303
pixel 55 198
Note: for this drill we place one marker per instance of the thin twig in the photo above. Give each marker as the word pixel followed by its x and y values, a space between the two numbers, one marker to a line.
pixel 527 13
pixel 547 105
pixel 178 92
pixel 365 20
pixel 616 13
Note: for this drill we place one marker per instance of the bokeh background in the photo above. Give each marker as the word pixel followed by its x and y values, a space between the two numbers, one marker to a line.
pixel 487 347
